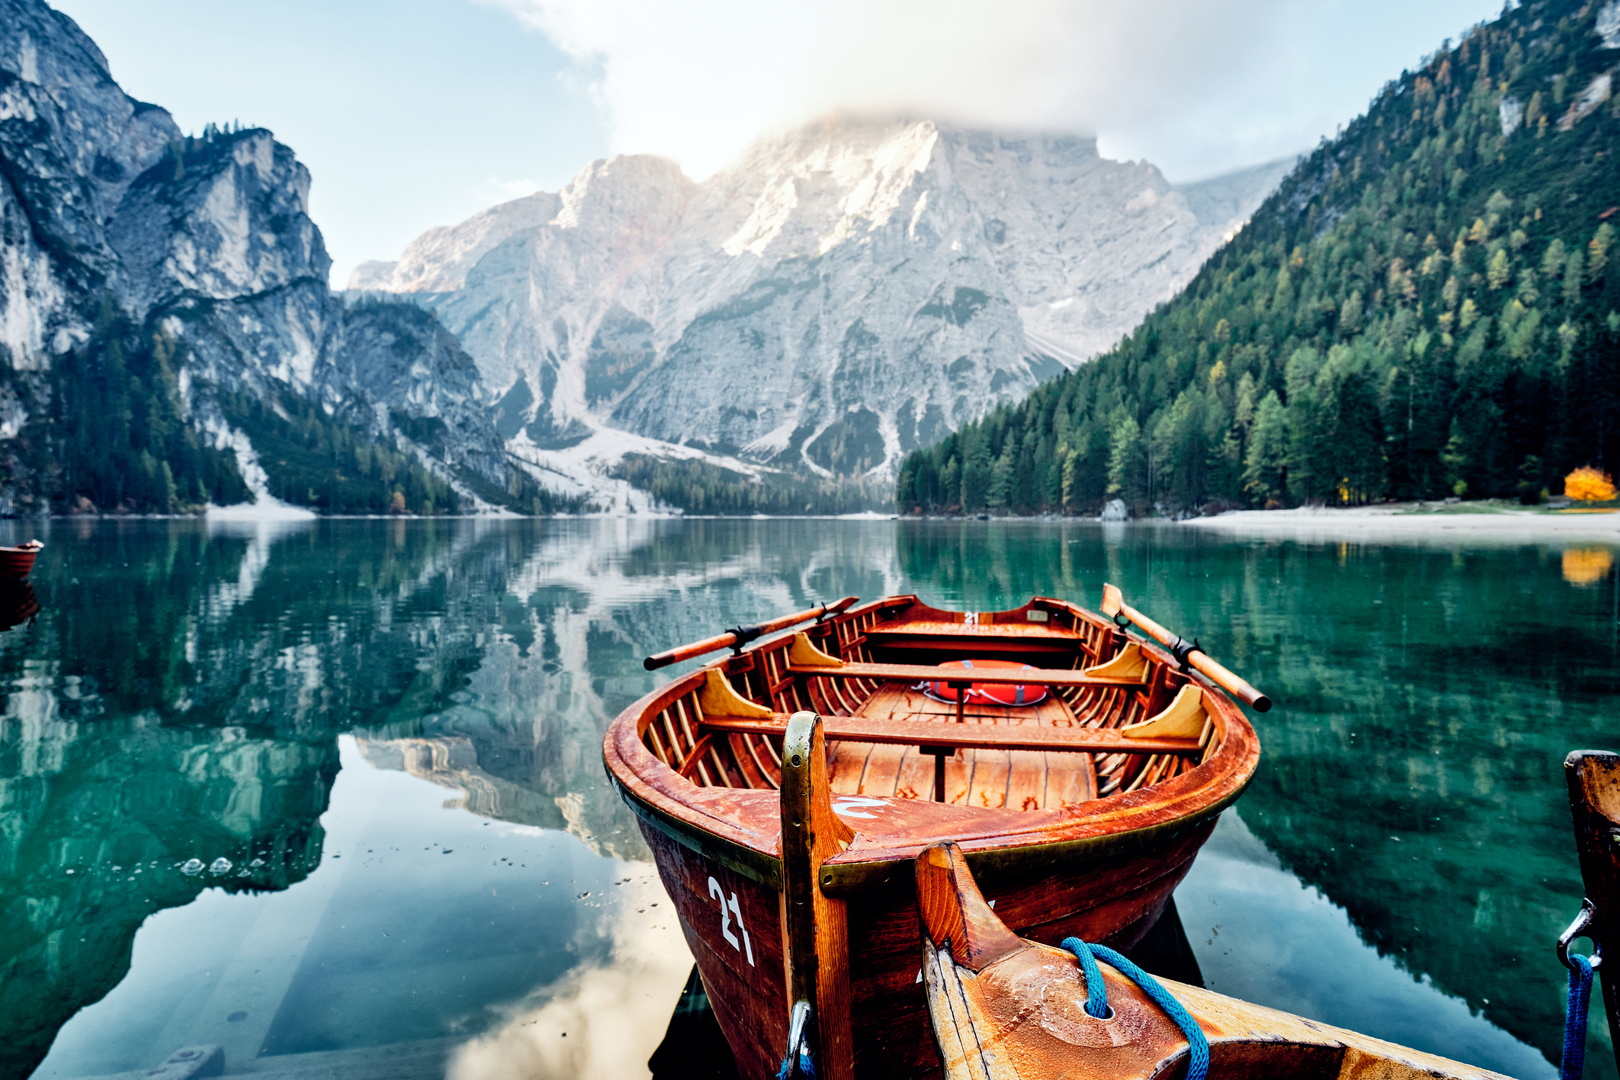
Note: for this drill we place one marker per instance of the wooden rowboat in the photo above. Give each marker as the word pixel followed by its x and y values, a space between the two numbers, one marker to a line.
pixel 1079 811
pixel 1003 1008
pixel 16 562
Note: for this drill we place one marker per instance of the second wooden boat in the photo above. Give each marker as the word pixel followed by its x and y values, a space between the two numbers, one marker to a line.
pixel 1003 1008
pixel 17 562
pixel 1080 774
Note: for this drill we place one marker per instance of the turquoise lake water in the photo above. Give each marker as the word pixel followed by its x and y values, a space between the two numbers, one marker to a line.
pixel 337 787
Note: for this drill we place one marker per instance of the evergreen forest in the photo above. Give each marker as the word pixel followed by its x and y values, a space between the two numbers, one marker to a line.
pixel 110 431
pixel 1428 306
pixel 698 487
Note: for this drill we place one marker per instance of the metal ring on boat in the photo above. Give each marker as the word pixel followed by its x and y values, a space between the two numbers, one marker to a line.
pixel 1579 928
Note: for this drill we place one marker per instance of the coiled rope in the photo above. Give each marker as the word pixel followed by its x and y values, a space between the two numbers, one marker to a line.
pixel 1097 999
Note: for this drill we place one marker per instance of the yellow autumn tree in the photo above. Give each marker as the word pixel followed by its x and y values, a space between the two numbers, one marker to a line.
pixel 1587 484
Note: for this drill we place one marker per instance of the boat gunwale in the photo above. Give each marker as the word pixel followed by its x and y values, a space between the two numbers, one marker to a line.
pixel 1057 837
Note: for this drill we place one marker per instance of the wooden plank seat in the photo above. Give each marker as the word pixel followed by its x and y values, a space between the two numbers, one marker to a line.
pixel 886 737
pixel 950 736
pixel 913 673
pixel 1019 631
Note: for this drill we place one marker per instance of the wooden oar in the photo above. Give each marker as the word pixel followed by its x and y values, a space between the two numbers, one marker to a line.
pixel 1115 607
pixel 742 635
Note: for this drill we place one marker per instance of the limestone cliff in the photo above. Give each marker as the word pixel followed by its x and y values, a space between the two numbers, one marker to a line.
pixel 117 230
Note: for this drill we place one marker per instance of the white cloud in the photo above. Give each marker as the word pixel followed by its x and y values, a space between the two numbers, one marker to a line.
pixel 1194 85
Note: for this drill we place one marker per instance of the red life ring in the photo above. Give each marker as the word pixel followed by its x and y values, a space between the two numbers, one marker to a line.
pixel 988 693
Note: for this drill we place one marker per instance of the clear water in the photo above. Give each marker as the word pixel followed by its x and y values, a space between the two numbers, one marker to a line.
pixel 379 741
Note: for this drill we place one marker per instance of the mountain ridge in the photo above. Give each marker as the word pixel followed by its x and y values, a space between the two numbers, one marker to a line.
pixel 839 294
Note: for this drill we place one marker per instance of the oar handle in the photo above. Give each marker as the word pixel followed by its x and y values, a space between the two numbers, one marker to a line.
pixel 1114 606
pixel 742 635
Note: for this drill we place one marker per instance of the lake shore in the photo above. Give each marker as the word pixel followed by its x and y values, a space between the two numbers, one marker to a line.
pixel 1418 522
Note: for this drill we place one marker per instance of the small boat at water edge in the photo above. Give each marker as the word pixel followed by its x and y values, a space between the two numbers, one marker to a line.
pixel 1080 774
pixel 17 562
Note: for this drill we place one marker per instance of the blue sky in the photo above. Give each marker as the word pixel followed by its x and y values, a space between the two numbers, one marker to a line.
pixel 414 113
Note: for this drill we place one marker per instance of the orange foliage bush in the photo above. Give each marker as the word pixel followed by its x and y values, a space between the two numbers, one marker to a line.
pixel 1589 485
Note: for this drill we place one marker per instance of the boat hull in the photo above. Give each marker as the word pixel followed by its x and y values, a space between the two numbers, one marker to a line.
pixel 1114 899
pixel 16 563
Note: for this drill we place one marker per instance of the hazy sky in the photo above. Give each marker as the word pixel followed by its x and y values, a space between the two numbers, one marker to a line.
pixel 414 113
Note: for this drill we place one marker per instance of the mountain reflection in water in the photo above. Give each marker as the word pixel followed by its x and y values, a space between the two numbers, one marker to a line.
pixel 471 889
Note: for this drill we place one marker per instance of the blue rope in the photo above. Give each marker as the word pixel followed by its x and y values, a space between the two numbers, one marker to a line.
pixel 1197 1044
pixel 1580 997
pixel 806 1067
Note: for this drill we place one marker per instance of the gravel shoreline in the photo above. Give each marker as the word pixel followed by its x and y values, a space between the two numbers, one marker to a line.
pixel 1409 523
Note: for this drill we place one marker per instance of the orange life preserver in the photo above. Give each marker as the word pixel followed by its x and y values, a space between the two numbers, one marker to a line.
pixel 988 693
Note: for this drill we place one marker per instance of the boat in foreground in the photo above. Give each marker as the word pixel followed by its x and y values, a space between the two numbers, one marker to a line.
pixel 1079 765
pixel 17 562
pixel 1003 1008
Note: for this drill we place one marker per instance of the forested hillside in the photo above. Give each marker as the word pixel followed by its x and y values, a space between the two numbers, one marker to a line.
pixel 1426 307
pixel 697 487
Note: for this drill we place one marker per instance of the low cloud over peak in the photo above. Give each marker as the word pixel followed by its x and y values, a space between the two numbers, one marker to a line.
pixel 1196 87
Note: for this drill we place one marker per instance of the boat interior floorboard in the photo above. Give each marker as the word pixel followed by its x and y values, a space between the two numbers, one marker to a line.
pixel 1019 779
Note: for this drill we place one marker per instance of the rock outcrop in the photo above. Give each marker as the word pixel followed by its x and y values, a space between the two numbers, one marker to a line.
pixel 108 212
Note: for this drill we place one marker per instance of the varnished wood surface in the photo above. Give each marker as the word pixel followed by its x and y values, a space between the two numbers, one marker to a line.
pixel 913 673
pixel 729 638
pixel 1015 779
pixel 1101 868
pixel 1593 777
pixel 744 980
pixel 1206 665
pixel 744 820
pixel 987 736
pixel 970 931
pixel 1114 901
pixel 1027 631
pixel 17 562
pixel 1006 1009
pixel 815 932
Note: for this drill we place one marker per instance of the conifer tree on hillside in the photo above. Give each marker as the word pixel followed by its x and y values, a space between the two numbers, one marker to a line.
pixel 1429 305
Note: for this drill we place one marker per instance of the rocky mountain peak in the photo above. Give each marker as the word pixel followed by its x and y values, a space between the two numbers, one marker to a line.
pixel 842 292
pixel 620 193
pixel 223 217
